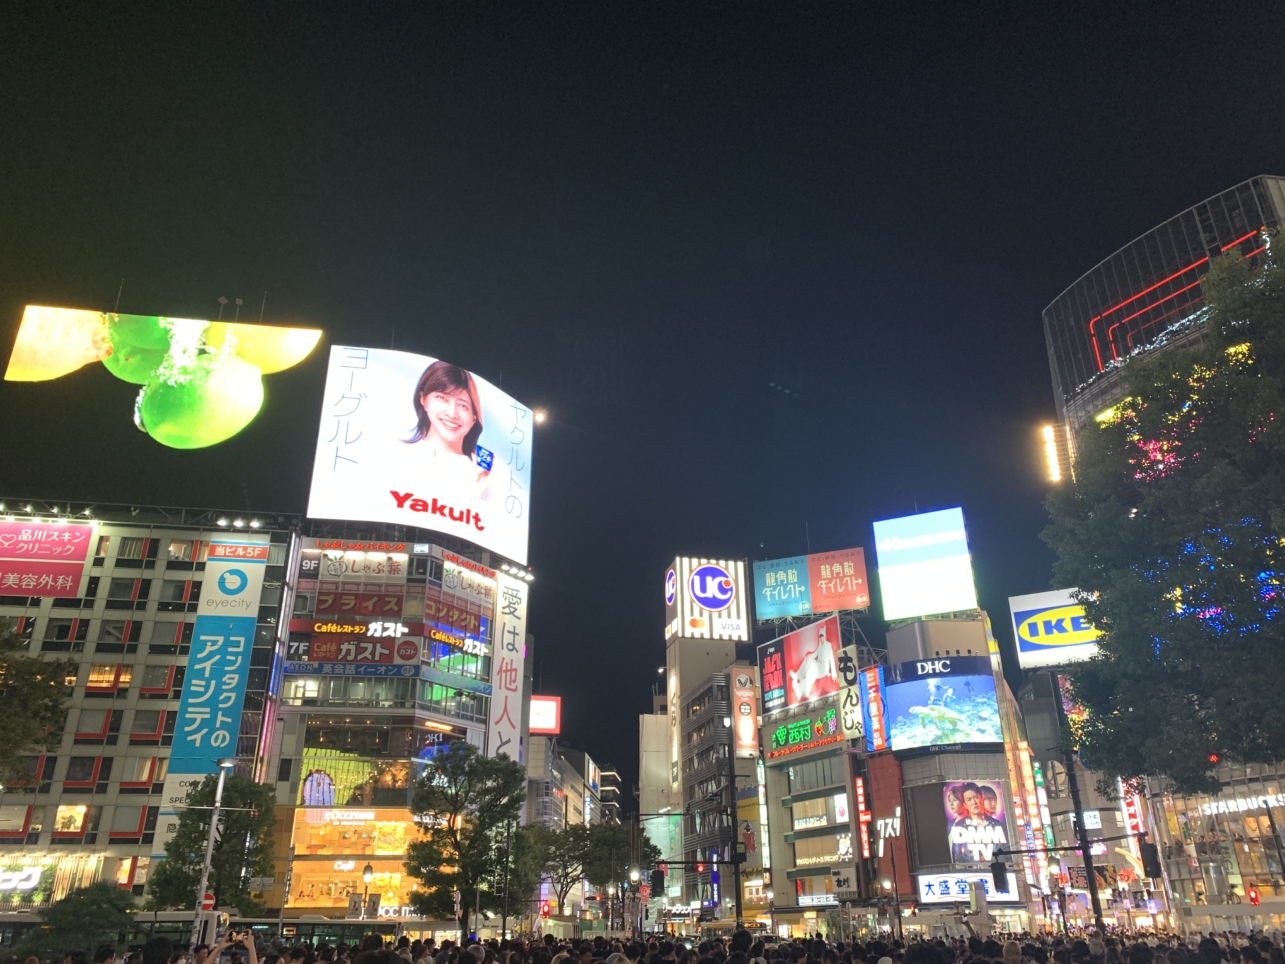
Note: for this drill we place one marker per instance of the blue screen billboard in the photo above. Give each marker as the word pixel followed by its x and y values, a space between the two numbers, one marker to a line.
pixel 942 703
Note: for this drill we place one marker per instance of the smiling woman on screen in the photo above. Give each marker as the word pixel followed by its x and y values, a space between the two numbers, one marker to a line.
pixel 448 425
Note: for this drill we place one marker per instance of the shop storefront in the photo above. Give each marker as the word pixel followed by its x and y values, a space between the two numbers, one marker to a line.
pixel 30 881
pixel 335 846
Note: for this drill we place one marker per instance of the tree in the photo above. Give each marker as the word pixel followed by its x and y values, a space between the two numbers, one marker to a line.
pixel 613 849
pixel 462 801
pixel 565 850
pixel 527 854
pixel 1172 530
pixel 33 709
pixel 242 849
pixel 81 921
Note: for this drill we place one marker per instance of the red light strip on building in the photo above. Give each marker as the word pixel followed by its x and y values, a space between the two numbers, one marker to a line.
pixel 1143 311
pixel 1093 338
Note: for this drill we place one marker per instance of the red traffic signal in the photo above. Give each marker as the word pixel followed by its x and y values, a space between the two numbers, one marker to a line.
pixel 544 909
pixel 700 868
pixel 1253 895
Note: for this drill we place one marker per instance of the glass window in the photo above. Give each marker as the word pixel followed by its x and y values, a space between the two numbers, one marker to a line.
pixel 146 722
pixel 818 773
pixel 58 629
pixel 112 631
pixel 810 813
pixel 180 550
pixel 92 721
pixel 104 543
pixel 301 688
pixel 137 769
pixel 303 603
pixel 80 769
pixel 37 820
pixel 13 819
pixel 130 548
pixel 164 633
pixel 277 554
pixel 172 590
pixel 822 850
pixel 126 676
pixel 102 676
pixel 70 818
pixel 127 819
pixel 120 589
pixel 155 677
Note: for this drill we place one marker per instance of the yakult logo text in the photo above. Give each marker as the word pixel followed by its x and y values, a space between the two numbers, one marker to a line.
pixel 407 500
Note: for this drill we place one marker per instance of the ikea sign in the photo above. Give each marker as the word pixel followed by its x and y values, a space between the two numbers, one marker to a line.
pixel 1051 629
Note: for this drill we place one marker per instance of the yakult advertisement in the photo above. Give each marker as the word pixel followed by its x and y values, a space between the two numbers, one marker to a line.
pixel 413 440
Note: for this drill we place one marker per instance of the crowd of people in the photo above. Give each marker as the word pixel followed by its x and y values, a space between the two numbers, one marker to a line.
pixel 740 948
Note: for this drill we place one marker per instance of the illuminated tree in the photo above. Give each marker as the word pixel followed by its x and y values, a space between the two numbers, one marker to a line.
pixel 1172 529
pixel 463 801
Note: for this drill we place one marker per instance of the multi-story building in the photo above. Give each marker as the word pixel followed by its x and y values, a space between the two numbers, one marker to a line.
pixel 609 791
pixel 122 611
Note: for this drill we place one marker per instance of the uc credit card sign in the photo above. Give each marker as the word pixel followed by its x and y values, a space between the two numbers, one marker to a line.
pixel 209 715
pixel 1051 629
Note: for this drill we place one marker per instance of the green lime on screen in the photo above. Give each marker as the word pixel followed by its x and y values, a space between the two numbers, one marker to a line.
pixel 142 331
pixel 133 364
pixel 205 405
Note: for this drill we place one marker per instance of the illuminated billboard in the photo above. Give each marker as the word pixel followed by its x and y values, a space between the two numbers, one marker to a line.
pixel 546 715
pixel 43 559
pixel 942 703
pixel 801 666
pixel 1051 629
pixel 924 566
pixel 705 599
pixel 744 713
pixel 412 440
pixel 201 381
pixel 874 713
pixel 974 820
pixel 823 582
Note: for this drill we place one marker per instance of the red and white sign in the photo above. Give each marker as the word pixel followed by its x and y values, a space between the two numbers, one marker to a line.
pixel 207 902
pixel 42 560
pixel 229 550
pixel 812 662
pixel 1133 814
pixel 864 816
pixel 363 649
pixel 546 715
pixel 872 695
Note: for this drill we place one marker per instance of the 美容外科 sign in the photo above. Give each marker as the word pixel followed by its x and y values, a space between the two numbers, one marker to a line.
pixel 413 440
pixel 43 559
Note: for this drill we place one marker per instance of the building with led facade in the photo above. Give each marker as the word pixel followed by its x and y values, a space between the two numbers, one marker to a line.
pixel 1147 295
pixel 372 652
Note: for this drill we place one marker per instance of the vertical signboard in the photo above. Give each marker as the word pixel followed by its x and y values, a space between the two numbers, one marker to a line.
pixel 872 709
pixel 39 559
pixel 209 714
pixel 772 675
pixel 504 730
pixel 850 716
pixel 744 713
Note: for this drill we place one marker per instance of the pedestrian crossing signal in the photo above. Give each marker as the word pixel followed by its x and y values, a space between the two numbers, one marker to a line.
pixel 1253 895
pixel 544 909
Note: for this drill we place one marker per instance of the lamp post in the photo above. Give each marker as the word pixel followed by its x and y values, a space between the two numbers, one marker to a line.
pixel 635 923
pixel 733 817
pixel 199 918
pixel 611 907
pixel 367 875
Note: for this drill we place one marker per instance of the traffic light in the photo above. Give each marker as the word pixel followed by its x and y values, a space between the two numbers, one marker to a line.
pixel 999 876
pixel 1252 893
pixel 1150 859
pixel 657 882
pixel 544 909
pixel 700 868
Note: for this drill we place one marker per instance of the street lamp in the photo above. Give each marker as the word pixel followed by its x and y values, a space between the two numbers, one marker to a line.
pixel 199 918
pixel 367 874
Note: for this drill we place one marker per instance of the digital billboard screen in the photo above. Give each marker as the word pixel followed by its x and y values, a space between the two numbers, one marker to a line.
pixel 772 675
pixel 822 582
pixel 924 566
pixel 800 666
pixel 200 382
pixel 546 715
pixel 1051 629
pixel 975 820
pixel 412 440
pixel 942 703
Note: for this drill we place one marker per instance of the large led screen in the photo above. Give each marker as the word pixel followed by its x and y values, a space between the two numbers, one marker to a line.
pixel 942 703
pixel 924 566
pixel 1051 629
pixel 201 382
pixel 975 820
pixel 416 441
pixel 801 666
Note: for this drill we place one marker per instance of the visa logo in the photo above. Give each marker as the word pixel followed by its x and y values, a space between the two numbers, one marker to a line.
pixel 1055 626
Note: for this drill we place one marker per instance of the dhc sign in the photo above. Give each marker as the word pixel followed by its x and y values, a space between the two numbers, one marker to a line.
pixel 1051 629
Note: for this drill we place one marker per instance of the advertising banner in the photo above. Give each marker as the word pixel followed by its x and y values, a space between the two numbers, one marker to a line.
pixel 873 711
pixel 772 675
pixel 705 599
pixel 945 703
pixel 953 888
pixel 546 715
pixel 209 713
pixel 806 733
pixel 975 820
pixel 744 713
pixel 364 649
pixel 412 440
pixel 504 731
pixel 850 715
pixel 924 566
pixel 812 662
pixel 1051 629
pixel 823 582
pixel 38 559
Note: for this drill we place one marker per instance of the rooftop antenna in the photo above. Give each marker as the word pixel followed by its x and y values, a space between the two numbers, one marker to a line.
pixel 807 535
pixel 262 306
pixel 118 291
pixel 392 339
pixel 238 311
pixel 222 303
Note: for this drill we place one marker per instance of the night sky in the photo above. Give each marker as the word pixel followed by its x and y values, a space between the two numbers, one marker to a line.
pixel 775 271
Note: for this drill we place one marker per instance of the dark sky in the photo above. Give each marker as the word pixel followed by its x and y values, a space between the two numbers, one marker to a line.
pixel 648 218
